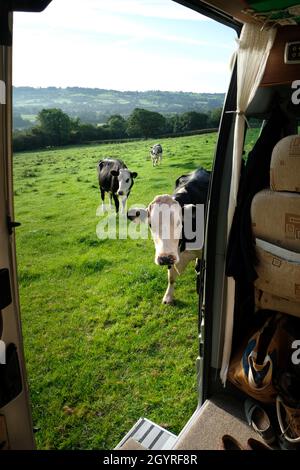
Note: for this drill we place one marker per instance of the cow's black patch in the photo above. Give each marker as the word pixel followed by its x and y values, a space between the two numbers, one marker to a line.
pixel 191 189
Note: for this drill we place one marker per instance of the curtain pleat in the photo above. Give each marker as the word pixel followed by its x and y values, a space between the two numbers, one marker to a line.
pixel 252 55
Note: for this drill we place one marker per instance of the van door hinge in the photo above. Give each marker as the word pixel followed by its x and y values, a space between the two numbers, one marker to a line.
pixel 201 339
pixel 11 224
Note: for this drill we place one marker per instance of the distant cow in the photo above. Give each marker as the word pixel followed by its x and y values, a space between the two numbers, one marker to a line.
pixel 115 179
pixel 175 249
pixel 156 154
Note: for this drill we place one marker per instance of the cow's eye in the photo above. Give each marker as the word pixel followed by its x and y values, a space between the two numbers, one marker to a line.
pixel 127 181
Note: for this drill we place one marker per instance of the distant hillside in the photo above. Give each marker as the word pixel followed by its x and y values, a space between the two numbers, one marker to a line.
pixel 95 105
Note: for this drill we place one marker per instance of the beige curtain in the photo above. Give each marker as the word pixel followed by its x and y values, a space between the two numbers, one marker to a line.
pixel 254 48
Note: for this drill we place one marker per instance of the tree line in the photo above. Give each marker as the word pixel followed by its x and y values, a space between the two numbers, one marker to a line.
pixel 56 128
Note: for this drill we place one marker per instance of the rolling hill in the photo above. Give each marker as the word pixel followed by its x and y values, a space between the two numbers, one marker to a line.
pixel 95 105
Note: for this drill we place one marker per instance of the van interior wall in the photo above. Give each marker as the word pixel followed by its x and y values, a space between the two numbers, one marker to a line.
pixel 268 102
pixel 261 108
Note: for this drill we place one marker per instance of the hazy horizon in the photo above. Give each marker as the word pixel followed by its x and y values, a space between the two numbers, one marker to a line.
pixel 121 91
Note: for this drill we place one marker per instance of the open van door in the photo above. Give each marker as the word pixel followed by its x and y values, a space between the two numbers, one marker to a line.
pixel 16 431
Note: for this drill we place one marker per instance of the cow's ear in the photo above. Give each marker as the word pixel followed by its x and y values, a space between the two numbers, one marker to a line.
pixel 114 172
pixel 137 215
pixel 133 174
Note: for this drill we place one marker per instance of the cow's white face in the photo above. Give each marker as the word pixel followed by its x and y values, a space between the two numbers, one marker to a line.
pixel 164 216
pixel 165 220
pixel 125 179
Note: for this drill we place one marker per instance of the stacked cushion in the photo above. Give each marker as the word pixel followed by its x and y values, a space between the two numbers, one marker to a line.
pixel 275 215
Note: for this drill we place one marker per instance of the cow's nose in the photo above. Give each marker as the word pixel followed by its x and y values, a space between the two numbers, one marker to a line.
pixel 166 260
pixel 121 193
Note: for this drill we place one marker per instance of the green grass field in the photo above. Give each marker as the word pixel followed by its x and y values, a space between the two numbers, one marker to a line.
pixel 101 349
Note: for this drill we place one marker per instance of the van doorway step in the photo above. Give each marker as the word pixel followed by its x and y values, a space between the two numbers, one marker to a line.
pixel 218 416
pixel 150 435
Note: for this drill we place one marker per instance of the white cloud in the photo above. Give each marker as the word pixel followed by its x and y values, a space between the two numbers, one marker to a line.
pixel 83 62
pixel 96 46
pixel 96 14
pixel 94 21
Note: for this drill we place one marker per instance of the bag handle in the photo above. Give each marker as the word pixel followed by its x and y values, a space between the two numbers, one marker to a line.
pixel 252 356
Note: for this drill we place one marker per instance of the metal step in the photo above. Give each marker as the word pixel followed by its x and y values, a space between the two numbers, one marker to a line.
pixel 150 435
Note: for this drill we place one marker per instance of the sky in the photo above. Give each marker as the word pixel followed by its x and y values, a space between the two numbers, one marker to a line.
pixel 122 45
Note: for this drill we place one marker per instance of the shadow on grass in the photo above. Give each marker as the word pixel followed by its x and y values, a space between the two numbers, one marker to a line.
pixel 25 276
pixel 90 240
pixel 85 268
pixel 178 303
pixel 187 165
pixel 93 266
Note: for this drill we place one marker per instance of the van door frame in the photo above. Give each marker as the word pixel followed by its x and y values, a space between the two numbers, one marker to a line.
pixel 16 411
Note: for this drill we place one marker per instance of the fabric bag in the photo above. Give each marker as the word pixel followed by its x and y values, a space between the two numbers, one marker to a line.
pixel 255 365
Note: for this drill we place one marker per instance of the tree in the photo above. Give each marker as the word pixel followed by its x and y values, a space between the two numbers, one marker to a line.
pixel 88 132
pixel 29 139
pixel 56 125
pixel 169 124
pixel 117 126
pixel 214 117
pixel 177 123
pixel 192 121
pixel 144 123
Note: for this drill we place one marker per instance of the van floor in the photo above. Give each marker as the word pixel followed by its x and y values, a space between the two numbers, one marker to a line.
pixel 218 416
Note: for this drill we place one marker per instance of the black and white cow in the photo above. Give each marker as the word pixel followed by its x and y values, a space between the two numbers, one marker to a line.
pixel 115 179
pixel 176 250
pixel 156 154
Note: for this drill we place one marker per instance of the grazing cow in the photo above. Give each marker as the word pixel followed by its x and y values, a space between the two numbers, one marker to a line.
pixel 156 154
pixel 115 179
pixel 172 245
